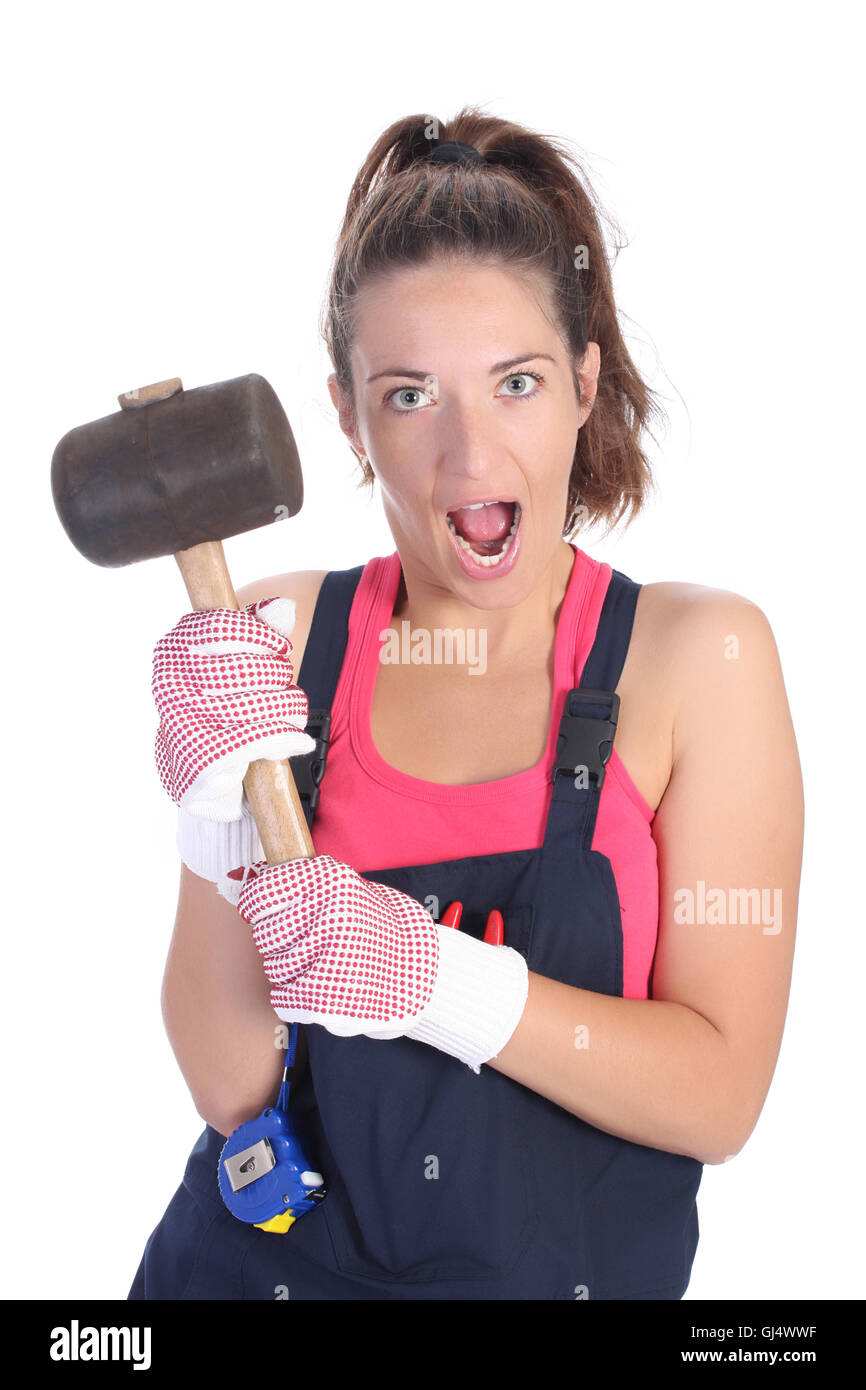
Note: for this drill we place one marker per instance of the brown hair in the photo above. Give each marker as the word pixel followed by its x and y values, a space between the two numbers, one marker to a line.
pixel 528 208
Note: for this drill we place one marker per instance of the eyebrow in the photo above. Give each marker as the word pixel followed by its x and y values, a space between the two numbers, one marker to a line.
pixel 415 375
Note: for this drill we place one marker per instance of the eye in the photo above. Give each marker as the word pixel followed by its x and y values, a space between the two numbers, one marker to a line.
pixel 406 391
pixel 522 377
pixel 407 400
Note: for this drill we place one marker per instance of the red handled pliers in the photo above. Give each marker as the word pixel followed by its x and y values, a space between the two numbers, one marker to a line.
pixel 493 932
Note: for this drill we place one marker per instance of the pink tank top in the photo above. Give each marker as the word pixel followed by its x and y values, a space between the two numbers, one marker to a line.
pixel 383 818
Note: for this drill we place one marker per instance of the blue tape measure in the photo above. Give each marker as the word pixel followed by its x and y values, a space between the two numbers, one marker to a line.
pixel 264 1175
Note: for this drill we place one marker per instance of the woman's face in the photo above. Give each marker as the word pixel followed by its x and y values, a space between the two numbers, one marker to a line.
pixel 464 394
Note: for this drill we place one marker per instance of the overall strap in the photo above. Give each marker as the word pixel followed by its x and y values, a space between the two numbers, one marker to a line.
pixel 588 724
pixel 318 676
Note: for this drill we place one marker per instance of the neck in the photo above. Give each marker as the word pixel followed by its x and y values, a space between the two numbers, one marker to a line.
pixel 528 626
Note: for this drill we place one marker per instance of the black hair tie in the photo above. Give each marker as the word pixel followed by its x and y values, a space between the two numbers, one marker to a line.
pixel 455 152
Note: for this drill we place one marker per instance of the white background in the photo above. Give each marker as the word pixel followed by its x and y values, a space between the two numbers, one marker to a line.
pixel 175 175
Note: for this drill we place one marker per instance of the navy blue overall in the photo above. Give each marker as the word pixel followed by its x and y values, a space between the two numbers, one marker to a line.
pixel 443 1183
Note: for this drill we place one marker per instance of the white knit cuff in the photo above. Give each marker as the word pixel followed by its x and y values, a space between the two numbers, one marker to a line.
pixel 211 848
pixel 477 1001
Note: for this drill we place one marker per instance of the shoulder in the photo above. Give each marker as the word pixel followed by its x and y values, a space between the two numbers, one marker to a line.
pixel 680 599
pixel 684 616
pixel 691 618
pixel 690 646
pixel 682 630
pixel 301 585
pixel 718 654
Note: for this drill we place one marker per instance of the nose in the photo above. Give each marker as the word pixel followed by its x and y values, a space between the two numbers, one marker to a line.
pixel 470 447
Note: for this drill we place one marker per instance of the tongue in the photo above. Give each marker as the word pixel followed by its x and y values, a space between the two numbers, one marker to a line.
pixel 484 523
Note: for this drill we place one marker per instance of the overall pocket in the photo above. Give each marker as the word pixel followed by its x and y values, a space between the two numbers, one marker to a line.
pixel 436 1184
pixel 430 1178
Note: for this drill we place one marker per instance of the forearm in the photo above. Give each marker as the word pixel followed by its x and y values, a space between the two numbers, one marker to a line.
pixel 653 1072
pixel 226 1037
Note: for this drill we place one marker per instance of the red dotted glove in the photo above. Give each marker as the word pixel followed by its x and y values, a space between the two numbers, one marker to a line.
pixel 360 957
pixel 337 947
pixel 223 686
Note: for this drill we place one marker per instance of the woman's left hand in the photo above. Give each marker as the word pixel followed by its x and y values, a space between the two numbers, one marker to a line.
pixel 359 957
pixel 355 956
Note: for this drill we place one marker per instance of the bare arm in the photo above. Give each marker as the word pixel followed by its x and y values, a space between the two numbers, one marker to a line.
pixel 215 1006
pixel 215 995
pixel 688 1070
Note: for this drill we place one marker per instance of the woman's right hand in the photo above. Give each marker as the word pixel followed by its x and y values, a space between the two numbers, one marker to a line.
pixel 223 686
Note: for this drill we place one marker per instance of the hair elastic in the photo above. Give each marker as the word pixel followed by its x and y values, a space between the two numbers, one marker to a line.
pixel 456 152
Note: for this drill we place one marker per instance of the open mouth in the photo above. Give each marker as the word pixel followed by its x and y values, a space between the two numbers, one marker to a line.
pixel 485 530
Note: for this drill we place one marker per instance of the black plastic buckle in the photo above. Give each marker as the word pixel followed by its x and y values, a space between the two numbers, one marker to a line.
pixel 308 769
pixel 586 740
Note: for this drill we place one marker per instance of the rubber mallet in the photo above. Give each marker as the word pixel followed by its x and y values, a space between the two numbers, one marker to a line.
pixel 177 472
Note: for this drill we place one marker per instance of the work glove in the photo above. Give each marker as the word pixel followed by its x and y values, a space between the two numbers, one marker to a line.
pixel 223 686
pixel 359 957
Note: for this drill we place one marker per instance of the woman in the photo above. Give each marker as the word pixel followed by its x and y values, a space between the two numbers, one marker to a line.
pixel 518 1120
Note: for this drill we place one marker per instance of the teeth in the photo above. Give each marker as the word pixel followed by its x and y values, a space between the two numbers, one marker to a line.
pixel 486 560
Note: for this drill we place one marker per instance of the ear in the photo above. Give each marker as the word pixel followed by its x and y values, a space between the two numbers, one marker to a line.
pixel 345 413
pixel 588 367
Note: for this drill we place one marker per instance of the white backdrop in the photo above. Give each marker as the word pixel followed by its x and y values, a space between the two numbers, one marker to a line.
pixel 175 176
